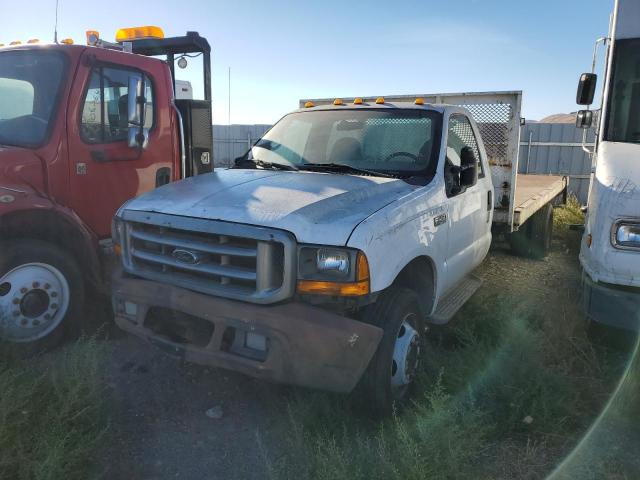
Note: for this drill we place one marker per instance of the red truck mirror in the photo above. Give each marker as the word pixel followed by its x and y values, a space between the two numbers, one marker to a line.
pixel 137 135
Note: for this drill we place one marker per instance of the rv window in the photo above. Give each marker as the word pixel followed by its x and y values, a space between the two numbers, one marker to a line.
pixel 623 117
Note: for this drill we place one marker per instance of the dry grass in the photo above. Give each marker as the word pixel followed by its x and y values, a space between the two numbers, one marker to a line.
pixel 509 394
pixel 51 413
pixel 566 215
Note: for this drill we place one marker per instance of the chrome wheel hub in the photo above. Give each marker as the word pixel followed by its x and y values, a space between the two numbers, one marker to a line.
pixel 34 298
pixel 406 355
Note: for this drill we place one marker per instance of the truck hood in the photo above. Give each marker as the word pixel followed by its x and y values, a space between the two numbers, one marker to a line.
pixel 316 207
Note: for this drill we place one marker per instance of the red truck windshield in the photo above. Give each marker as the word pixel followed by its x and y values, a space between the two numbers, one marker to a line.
pixel 29 86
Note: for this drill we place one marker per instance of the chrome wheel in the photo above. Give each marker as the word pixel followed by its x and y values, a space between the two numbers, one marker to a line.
pixel 406 355
pixel 34 299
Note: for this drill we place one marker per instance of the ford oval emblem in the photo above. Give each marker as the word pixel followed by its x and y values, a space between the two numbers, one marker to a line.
pixel 186 256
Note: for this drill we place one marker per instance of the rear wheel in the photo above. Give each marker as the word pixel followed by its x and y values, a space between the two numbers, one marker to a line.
pixel 533 239
pixel 390 376
pixel 41 294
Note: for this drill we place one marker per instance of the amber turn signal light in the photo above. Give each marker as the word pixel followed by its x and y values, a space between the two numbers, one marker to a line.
pixel 352 289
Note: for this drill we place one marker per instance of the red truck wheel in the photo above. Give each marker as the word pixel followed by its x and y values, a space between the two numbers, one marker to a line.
pixel 389 377
pixel 41 293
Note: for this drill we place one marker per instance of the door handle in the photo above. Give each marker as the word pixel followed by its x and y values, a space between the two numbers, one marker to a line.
pixel 489 200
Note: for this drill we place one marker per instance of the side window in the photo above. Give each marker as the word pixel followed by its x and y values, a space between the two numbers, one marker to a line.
pixel 104 113
pixel 462 147
pixel 461 136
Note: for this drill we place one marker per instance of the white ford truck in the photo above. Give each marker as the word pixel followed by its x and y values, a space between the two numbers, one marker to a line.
pixel 321 257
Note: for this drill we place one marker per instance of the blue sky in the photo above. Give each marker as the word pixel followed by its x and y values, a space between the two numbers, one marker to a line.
pixel 281 51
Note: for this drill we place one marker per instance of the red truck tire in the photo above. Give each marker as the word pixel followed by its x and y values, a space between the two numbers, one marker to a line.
pixel 41 294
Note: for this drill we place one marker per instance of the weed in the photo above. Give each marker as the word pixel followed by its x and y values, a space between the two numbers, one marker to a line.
pixel 51 415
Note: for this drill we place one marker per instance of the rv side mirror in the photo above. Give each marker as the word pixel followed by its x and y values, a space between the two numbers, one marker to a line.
pixel 584 119
pixel 137 135
pixel 586 88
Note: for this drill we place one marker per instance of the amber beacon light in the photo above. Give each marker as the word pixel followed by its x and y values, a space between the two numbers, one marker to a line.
pixel 138 33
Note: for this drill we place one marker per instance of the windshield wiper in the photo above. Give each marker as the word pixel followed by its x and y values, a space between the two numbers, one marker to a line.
pixel 273 165
pixel 339 167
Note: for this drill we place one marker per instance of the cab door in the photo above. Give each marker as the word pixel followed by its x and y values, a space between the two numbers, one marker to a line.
pixel 469 220
pixel 104 170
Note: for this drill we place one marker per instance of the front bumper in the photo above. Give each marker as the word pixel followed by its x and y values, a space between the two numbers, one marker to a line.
pixel 612 305
pixel 305 345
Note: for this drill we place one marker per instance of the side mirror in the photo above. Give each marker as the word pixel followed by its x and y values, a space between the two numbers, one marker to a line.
pixel 137 135
pixel 584 119
pixel 586 88
pixel 468 168
pixel 469 176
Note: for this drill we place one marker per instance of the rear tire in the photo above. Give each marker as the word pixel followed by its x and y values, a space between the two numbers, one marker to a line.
pixel 387 383
pixel 41 294
pixel 533 239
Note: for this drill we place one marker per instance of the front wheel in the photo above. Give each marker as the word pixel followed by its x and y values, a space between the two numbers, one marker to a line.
pixel 41 293
pixel 388 380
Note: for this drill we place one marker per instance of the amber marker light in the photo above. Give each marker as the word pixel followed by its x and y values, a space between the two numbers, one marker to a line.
pixel 380 100
pixel 357 101
pixel 309 105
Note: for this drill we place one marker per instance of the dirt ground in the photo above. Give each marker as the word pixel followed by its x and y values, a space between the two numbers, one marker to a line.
pixel 159 424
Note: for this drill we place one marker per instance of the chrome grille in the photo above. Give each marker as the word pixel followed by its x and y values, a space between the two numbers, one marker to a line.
pixel 236 261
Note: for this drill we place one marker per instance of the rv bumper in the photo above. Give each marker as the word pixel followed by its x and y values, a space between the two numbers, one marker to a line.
pixel 611 304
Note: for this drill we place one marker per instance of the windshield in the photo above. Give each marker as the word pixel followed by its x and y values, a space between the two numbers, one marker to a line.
pixel 397 141
pixel 623 122
pixel 29 84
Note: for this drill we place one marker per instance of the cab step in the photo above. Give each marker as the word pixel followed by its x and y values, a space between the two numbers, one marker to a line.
pixel 455 299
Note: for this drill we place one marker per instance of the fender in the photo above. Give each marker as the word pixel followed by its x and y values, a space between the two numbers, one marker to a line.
pixel 25 212
pixel 407 227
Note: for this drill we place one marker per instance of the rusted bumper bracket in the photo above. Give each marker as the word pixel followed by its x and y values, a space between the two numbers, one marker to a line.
pixel 304 346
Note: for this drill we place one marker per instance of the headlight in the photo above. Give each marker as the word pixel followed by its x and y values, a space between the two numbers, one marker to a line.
pixel 332 271
pixel 117 234
pixel 332 261
pixel 325 263
pixel 117 230
pixel 627 235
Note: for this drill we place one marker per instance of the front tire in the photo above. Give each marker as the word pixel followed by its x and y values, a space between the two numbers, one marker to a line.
pixel 389 378
pixel 41 294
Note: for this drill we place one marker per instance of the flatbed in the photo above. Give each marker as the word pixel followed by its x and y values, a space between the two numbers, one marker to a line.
pixel 533 192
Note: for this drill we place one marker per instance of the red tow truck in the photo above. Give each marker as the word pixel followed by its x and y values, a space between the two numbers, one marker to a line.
pixel 83 128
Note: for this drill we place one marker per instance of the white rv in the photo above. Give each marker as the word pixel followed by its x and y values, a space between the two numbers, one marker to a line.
pixel 610 251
